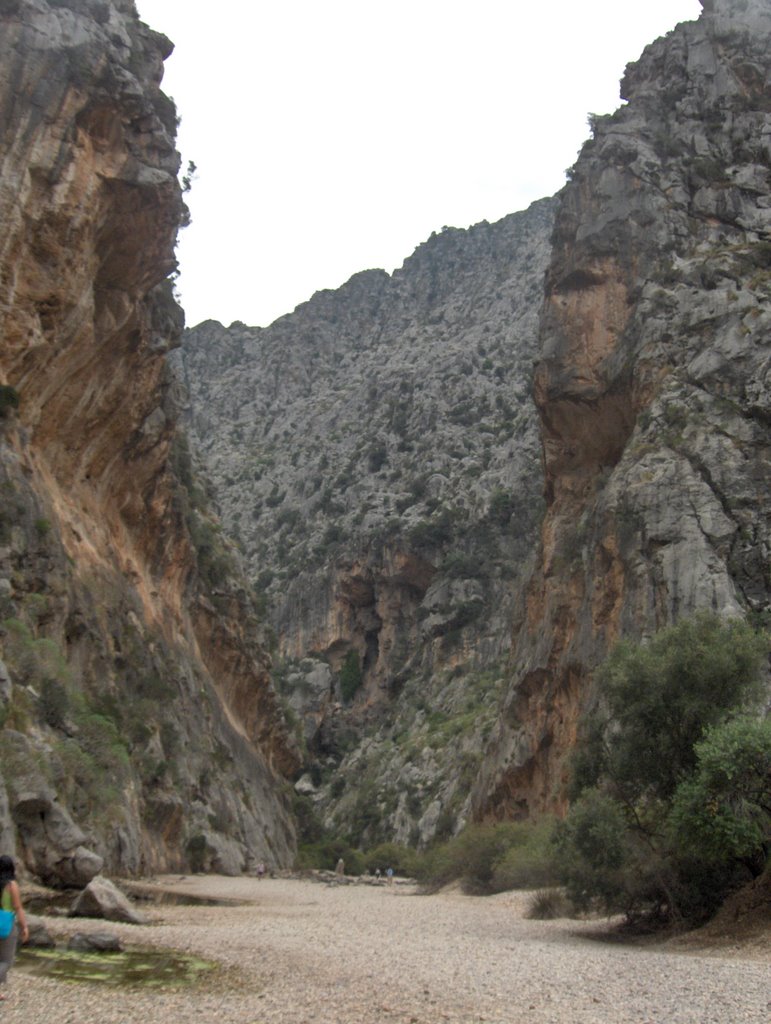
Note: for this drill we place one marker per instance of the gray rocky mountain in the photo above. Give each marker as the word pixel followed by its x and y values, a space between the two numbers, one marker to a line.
pixel 653 385
pixel 444 539
pixel 376 455
pixel 376 452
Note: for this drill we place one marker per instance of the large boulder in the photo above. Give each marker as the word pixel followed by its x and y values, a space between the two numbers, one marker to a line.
pixel 95 942
pixel 54 843
pixel 54 846
pixel 77 868
pixel 101 898
pixel 39 935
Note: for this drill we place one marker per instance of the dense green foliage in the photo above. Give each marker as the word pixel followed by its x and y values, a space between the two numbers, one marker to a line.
pixel 402 859
pixel 488 858
pixel 484 858
pixel 350 675
pixel 324 855
pixel 723 811
pixel 9 399
pixel 213 551
pixel 656 700
pixel 671 785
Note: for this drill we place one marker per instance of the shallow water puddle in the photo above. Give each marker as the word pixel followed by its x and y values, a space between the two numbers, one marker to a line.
pixel 147 968
pixel 58 904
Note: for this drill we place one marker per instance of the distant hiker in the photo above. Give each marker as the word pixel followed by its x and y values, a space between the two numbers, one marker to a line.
pixel 378 873
pixel 10 900
pixel 260 871
pixel 390 875
pixel 340 867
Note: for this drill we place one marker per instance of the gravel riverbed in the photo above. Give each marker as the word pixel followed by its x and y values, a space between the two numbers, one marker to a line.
pixel 298 952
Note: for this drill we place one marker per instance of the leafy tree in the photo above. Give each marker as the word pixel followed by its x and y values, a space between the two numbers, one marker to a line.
pixel 593 850
pixel 670 788
pixel 723 812
pixel 656 699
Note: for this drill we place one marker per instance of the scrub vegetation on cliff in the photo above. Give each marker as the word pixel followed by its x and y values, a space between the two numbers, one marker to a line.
pixel 375 454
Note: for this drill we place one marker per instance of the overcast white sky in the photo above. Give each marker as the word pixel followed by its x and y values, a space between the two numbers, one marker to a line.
pixel 333 136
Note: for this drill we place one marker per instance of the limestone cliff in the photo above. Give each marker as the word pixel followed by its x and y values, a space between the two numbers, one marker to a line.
pixel 140 726
pixel 652 387
pixel 376 455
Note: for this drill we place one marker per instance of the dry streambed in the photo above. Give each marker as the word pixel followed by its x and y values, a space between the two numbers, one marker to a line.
pixel 299 952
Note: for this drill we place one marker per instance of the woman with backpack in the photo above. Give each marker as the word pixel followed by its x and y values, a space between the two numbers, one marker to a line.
pixel 10 901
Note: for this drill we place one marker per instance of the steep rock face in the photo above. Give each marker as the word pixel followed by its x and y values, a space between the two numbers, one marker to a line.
pixel 653 385
pixel 139 716
pixel 376 454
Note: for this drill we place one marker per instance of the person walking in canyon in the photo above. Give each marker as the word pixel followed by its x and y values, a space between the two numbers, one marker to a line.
pixel 10 901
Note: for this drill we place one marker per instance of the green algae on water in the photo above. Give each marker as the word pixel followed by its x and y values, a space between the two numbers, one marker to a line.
pixel 145 968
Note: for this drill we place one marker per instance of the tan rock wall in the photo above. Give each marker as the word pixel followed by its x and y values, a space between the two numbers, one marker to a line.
pixel 652 387
pixel 90 207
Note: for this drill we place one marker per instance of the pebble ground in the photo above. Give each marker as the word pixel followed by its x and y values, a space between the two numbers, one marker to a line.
pixel 300 952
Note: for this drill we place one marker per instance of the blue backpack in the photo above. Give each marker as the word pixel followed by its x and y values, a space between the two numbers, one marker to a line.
pixel 7 920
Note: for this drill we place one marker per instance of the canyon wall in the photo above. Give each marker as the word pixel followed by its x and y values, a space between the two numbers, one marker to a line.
pixel 140 728
pixel 383 459
pixel 375 453
pixel 652 386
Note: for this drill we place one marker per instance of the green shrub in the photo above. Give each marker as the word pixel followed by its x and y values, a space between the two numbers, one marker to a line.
pixel 332 535
pixel 9 399
pixel 33 659
pixel 350 675
pixel 530 862
pixel 670 786
pixel 487 857
pixel 459 565
pixel 324 855
pixel 377 457
pixel 196 849
pixel 391 855
pixel 594 853
pixel 89 789
pixel 723 812
pixel 337 786
pixel 549 904
pixel 309 828
pixel 43 527
pixel 18 714
pixel 53 703
pixel 502 507
pixel 215 562
pixel 99 737
pixel 432 533
pixel 18 756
